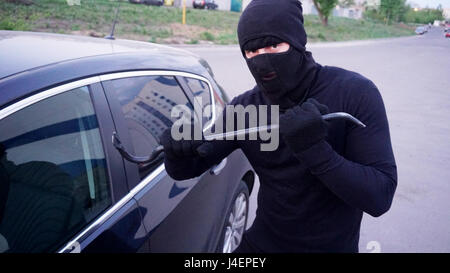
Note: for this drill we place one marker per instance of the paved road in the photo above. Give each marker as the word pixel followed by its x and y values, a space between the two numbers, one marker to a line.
pixel 413 75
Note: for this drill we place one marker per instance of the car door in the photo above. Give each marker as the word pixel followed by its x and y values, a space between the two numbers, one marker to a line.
pixel 223 179
pixel 63 186
pixel 181 216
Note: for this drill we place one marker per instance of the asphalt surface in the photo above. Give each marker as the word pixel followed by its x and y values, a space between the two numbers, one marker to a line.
pixel 413 76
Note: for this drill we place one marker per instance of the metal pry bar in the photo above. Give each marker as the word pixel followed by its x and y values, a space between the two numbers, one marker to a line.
pixel 343 115
pixel 247 131
pixel 160 149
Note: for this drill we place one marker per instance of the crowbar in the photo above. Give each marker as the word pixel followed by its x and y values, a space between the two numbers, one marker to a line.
pixel 221 136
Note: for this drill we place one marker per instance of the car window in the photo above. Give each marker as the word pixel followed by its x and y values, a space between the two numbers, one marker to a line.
pixel 53 172
pixel 146 103
pixel 202 94
pixel 219 103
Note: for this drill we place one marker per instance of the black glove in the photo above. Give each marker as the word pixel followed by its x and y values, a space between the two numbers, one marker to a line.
pixel 181 149
pixel 303 126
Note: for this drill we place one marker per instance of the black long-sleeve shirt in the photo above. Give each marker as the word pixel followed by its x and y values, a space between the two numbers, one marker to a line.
pixel 313 201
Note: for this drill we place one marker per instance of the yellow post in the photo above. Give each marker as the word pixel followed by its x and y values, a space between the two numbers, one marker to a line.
pixel 184 12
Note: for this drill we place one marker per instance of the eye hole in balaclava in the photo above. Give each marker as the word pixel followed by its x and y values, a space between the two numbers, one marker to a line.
pixel 258 43
pixel 282 77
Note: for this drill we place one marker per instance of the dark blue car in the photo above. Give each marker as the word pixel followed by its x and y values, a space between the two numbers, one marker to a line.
pixel 64 187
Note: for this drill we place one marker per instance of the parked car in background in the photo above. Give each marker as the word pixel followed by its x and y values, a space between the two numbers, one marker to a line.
pixel 421 30
pixel 65 187
pixel 154 2
pixel 198 4
pixel 201 4
pixel 211 4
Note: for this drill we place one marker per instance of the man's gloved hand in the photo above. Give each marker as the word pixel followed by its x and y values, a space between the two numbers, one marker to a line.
pixel 302 126
pixel 181 149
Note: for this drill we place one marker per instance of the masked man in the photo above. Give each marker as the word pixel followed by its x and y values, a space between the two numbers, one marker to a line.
pixel 315 187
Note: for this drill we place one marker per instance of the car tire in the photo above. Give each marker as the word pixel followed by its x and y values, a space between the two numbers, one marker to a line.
pixel 236 220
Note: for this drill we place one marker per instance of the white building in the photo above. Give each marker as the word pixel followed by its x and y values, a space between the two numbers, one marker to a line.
pixel 354 11
pixel 308 7
pixel 245 3
pixel 369 3
pixel 446 13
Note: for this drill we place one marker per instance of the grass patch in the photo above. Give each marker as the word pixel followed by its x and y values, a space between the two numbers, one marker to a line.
pixel 14 25
pixel 163 24
pixel 227 38
pixel 343 29
pixel 207 36
pixel 192 42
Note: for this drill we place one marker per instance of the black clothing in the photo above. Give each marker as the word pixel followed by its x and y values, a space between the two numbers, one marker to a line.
pixel 311 197
pixel 278 18
pixel 262 42
pixel 178 149
pixel 283 77
pixel 302 126
pixel 313 200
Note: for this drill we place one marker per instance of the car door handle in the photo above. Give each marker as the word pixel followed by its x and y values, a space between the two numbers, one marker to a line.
pixel 217 169
pixel 155 156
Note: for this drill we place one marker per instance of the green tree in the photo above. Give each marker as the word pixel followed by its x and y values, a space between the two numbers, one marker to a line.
pixel 392 10
pixel 324 8
pixel 423 16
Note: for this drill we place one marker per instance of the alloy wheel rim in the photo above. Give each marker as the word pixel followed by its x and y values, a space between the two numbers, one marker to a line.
pixel 236 224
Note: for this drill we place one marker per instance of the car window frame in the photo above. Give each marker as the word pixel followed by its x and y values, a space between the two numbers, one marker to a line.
pixel 114 162
pixel 134 181
pixel 185 85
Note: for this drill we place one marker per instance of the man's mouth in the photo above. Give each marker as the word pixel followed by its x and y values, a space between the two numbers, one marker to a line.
pixel 269 76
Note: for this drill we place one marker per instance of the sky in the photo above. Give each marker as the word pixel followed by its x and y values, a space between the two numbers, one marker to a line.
pixel 431 3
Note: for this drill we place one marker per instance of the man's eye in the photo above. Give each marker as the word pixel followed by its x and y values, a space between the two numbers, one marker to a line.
pixel 274 46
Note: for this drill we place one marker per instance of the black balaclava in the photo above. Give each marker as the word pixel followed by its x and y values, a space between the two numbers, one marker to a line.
pixel 284 78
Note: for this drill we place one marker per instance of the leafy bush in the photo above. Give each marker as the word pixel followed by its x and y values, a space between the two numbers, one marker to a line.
pixel 398 11
pixel 208 36
pixel 424 16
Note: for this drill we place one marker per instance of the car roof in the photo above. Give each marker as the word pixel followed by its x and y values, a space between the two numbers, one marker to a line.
pixel 22 51
pixel 32 61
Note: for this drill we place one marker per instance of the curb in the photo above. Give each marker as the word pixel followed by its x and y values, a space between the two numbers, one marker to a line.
pixel 309 45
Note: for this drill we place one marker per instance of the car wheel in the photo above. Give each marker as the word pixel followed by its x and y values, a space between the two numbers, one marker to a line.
pixel 236 220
